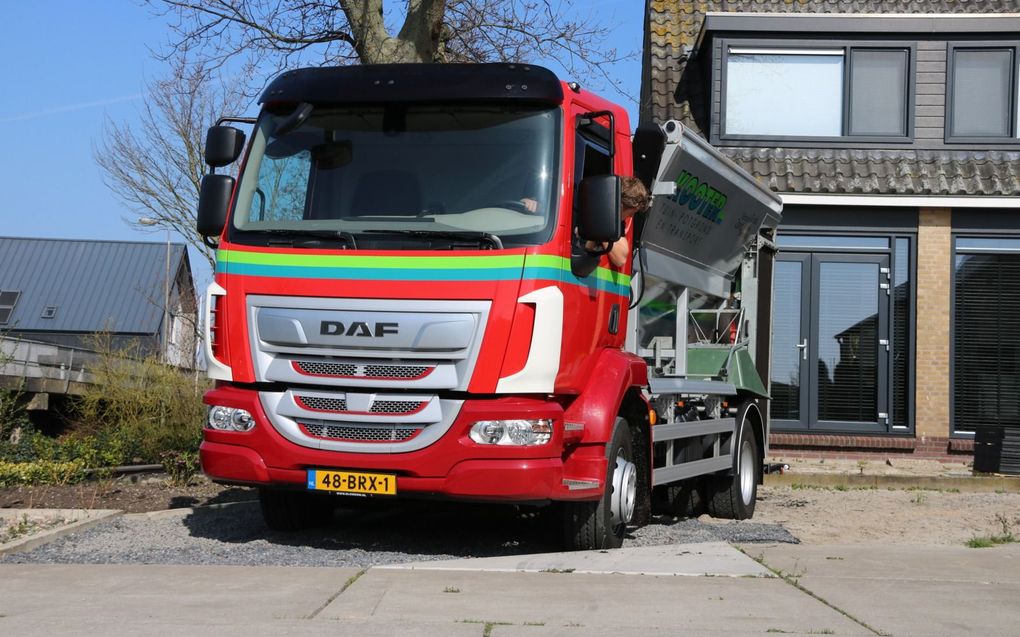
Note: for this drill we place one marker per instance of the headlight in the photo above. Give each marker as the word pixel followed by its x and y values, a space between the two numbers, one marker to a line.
pixel 230 419
pixel 521 433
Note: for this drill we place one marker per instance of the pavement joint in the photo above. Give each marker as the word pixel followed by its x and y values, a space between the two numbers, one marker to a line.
pixel 350 582
pixel 794 581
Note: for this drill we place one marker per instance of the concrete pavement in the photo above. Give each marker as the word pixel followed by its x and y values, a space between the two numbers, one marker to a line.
pixel 703 589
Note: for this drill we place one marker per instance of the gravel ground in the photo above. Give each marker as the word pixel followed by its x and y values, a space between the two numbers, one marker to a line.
pixel 362 537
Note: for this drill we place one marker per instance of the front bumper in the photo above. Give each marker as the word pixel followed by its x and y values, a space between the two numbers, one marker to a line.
pixel 453 467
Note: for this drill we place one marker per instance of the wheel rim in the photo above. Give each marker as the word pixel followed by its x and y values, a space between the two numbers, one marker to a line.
pixel 624 491
pixel 746 472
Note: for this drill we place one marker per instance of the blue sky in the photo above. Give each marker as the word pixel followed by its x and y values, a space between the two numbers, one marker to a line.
pixel 71 65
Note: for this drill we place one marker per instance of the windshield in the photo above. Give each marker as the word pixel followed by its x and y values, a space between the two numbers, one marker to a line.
pixel 414 177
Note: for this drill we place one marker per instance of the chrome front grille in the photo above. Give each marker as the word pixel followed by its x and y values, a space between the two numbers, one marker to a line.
pixel 360 433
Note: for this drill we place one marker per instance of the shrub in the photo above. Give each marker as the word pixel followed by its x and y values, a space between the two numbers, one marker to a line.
pixel 41 472
pixel 138 409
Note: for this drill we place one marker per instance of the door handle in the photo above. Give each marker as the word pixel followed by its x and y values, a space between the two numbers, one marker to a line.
pixel 802 346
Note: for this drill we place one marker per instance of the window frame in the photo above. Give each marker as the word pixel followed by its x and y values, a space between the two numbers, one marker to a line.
pixel 11 306
pixel 956 250
pixel 1013 138
pixel 721 137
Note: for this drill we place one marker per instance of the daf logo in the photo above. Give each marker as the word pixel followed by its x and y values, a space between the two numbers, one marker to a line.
pixel 357 328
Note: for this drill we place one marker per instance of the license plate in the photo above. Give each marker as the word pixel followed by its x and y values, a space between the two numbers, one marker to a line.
pixel 352 482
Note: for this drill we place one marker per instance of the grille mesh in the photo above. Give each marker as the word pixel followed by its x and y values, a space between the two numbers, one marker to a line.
pixel 396 371
pixel 322 368
pixel 353 370
pixel 360 433
pixel 325 404
pixel 397 407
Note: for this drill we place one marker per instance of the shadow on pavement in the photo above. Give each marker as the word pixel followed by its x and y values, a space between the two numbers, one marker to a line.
pixel 431 528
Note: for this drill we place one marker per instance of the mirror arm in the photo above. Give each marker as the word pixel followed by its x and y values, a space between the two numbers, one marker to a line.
pixel 589 118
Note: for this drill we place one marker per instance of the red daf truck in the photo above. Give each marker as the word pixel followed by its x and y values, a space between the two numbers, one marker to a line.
pixel 404 305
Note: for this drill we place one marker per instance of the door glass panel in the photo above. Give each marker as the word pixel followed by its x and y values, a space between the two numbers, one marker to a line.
pixel 786 336
pixel 847 360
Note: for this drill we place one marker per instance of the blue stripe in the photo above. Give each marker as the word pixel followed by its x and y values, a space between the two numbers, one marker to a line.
pixel 563 276
pixel 592 283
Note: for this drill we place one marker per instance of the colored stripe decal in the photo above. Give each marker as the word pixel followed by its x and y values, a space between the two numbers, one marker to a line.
pixel 417 268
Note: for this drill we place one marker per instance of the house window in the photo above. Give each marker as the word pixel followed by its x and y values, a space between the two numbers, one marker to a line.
pixel 982 93
pixel 8 299
pixel 816 93
pixel 986 315
pixel 50 311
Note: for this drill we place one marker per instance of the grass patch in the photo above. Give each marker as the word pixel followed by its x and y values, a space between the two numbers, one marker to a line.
pixel 988 541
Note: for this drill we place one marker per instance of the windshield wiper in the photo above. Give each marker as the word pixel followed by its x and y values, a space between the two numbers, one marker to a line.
pixel 345 238
pixel 483 238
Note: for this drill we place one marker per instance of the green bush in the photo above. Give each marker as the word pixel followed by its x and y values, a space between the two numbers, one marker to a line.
pixel 41 472
pixel 139 409
pixel 137 412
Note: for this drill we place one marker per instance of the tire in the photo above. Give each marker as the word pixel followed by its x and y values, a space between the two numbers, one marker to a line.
pixel 733 497
pixel 595 525
pixel 684 499
pixel 289 511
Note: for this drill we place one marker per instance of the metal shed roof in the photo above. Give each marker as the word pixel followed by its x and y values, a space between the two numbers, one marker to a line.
pixel 95 285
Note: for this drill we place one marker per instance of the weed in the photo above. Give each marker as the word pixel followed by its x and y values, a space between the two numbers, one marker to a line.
pixel 840 487
pixel 987 541
pixel 451 589
pixel 777 630
pixel 180 466
pixel 861 466
pixel 558 570
pixel 919 498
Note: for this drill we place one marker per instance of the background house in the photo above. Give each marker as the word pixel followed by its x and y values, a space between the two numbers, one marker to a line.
pixel 890 128
pixel 63 292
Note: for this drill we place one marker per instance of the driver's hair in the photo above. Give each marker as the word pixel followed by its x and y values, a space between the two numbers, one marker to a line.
pixel 633 193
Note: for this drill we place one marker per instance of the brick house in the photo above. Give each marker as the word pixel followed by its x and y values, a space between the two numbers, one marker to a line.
pixel 890 129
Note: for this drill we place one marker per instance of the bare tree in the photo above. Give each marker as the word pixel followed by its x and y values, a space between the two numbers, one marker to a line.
pixel 275 34
pixel 156 169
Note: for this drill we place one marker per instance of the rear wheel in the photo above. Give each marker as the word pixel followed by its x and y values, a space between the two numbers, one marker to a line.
pixel 733 496
pixel 285 510
pixel 602 524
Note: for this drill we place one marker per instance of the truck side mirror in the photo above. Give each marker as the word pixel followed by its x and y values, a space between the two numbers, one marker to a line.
pixel 223 145
pixel 213 202
pixel 598 208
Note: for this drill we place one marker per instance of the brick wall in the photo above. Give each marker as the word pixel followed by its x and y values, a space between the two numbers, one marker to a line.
pixel 934 267
pixel 847 447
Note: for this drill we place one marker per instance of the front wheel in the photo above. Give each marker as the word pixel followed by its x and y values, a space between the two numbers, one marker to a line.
pixel 602 524
pixel 733 496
